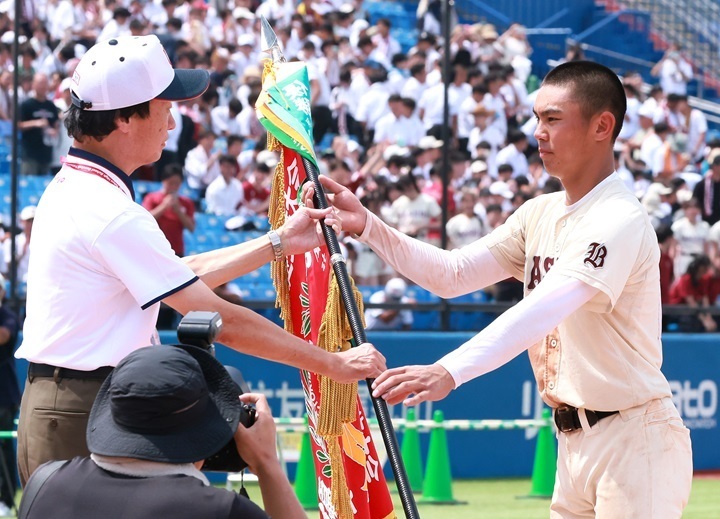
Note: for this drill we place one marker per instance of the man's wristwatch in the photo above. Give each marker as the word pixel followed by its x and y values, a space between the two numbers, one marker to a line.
pixel 276 245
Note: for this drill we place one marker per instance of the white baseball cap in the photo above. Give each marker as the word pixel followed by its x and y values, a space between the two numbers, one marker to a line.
pixel 429 142
pixel 395 288
pixel 28 213
pixel 130 70
pixel 395 151
pixel 246 39
pixel 243 12
pixel 501 188
pixel 478 166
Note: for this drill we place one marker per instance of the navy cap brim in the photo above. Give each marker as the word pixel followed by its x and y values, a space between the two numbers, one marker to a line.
pixel 187 84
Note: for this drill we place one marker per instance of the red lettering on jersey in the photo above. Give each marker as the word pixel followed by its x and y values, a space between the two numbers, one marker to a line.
pixel 549 262
pixel 596 255
pixel 535 273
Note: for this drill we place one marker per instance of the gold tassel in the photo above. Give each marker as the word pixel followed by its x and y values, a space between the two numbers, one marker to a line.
pixel 276 216
pixel 339 492
pixel 338 402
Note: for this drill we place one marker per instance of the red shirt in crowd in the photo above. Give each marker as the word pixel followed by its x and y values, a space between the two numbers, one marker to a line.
pixel 667 274
pixel 169 222
pixel 254 196
pixel 684 288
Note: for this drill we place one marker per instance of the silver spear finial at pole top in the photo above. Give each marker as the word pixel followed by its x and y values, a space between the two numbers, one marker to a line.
pixel 270 43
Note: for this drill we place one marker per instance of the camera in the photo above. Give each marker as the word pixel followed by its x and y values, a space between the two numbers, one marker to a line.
pixel 200 329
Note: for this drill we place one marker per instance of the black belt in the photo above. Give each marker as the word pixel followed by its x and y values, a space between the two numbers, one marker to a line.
pixel 567 419
pixel 47 371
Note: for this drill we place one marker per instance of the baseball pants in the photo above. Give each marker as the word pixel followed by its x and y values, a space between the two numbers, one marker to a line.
pixel 637 463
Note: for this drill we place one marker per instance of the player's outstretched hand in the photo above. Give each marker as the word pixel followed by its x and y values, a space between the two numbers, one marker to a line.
pixel 301 232
pixel 351 213
pixel 424 383
pixel 256 444
pixel 357 363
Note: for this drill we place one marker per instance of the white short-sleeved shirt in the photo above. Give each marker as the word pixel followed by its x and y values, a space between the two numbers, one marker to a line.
pixel 223 198
pixel 413 216
pixel 432 105
pixel 607 355
pixel 100 267
pixel 463 230
pixel 516 158
pixel 373 105
pixel 673 74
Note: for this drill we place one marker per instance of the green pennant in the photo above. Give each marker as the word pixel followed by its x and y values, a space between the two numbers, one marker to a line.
pixel 284 107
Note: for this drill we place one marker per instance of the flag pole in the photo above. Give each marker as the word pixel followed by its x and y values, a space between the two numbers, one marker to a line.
pixel 270 45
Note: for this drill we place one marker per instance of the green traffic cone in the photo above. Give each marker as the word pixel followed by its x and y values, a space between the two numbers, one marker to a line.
pixel 545 464
pixel 305 481
pixel 437 487
pixel 410 452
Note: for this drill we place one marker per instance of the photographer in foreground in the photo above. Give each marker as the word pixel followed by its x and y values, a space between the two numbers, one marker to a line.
pixel 157 417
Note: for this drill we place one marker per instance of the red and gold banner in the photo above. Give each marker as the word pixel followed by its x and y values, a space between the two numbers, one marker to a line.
pixel 350 480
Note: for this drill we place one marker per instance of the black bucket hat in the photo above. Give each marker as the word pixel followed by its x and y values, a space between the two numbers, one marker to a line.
pixel 174 404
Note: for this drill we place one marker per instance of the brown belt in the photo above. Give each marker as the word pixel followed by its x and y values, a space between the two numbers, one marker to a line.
pixel 567 419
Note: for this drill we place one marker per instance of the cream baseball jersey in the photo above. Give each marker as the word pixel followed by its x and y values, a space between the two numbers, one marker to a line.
pixel 607 355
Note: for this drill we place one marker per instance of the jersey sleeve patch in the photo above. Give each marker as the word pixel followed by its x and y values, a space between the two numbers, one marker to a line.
pixel 595 255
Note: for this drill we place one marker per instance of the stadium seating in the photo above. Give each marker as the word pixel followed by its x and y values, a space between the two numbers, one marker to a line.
pixel 470 320
pixel 424 320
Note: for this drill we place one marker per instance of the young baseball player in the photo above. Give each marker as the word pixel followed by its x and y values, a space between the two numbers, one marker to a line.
pixel 590 319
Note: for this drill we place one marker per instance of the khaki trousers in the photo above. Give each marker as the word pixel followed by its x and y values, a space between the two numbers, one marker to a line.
pixel 53 421
pixel 634 464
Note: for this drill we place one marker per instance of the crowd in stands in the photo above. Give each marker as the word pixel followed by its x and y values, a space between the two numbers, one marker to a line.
pixel 378 119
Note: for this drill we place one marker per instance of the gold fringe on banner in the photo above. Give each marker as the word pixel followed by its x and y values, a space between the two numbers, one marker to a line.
pixel 276 216
pixel 338 402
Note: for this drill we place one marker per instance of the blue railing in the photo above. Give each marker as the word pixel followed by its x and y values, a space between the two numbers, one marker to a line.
pixel 574 14
pixel 629 30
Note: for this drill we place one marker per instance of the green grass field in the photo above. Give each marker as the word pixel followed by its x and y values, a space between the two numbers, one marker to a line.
pixel 504 499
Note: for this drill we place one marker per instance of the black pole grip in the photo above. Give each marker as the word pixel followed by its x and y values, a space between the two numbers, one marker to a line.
pixel 353 312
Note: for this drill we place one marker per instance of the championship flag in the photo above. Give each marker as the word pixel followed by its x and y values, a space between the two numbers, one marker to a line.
pixel 350 480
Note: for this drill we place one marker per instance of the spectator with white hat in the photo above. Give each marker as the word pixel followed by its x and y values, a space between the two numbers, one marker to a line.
pixel 390 318
pixel 427 153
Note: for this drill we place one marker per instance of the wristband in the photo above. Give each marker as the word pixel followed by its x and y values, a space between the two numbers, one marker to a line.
pixel 276 245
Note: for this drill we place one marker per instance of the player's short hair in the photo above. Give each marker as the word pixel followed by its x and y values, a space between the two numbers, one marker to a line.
pixel 595 88
pixel 99 124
